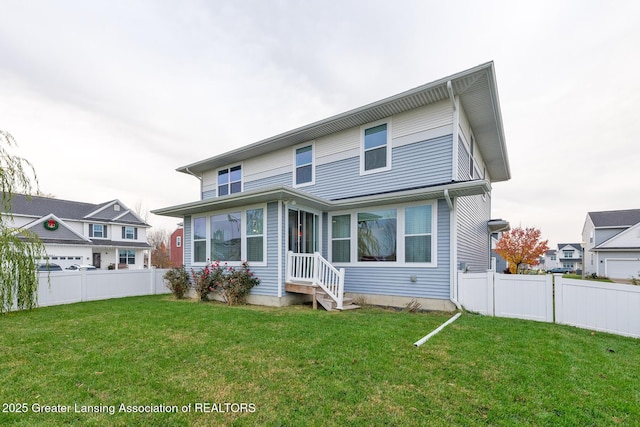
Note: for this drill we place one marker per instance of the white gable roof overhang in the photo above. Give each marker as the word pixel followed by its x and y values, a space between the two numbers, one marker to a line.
pixel 476 89
pixel 284 193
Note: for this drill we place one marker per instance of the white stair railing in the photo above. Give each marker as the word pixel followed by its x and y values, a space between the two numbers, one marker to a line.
pixel 315 269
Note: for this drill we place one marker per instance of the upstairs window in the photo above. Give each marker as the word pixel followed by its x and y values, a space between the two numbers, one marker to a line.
pixel 178 241
pixel 568 254
pixel 98 231
pixel 376 150
pixel 230 181
pixel 304 165
pixel 129 233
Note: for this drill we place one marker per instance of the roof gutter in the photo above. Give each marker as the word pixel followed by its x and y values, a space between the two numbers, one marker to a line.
pixel 193 174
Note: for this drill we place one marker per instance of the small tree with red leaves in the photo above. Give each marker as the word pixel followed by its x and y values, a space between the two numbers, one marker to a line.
pixel 521 247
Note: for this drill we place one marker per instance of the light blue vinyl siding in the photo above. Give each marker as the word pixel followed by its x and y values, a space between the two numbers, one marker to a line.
pixel 473 236
pixel 414 165
pixel 186 244
pixel 210 194
pixel 269 275
pixel 430 282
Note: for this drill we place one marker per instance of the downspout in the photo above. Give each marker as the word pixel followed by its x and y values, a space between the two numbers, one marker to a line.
pixel 453 291
pixel 451 97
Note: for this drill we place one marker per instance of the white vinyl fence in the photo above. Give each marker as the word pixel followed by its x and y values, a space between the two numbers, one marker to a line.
pixel 607 307
pixel 65 287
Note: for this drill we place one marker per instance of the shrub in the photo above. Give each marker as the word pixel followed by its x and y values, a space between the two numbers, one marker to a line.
pixel 177 281
pixel 232 284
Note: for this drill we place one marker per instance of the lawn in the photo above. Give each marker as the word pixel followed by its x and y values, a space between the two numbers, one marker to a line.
pixel 218 365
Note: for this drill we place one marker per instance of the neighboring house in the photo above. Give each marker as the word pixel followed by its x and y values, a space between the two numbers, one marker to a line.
pixel 569 255
pixel 84 233
pixel 176 253
pixel 397 193
pixel 500 263
pixel 549 260
pixel 611 242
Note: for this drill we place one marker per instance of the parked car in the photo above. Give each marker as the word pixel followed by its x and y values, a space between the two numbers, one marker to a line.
pixel 81 267
pixel 49 267
pixel 563 270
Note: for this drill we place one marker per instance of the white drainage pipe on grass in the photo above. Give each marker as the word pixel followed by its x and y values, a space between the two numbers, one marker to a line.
pixel 441 327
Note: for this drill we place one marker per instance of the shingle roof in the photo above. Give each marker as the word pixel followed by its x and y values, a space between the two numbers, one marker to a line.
pixel 576 246
pixel 623 218
pixel 37 207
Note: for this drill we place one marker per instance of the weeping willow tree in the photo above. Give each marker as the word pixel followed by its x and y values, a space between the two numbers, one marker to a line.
pixel 19 249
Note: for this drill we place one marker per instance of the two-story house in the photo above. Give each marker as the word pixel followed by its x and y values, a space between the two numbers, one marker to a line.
pixel 569 255
pixel 393 198
pixel 611 242
pixel 105 234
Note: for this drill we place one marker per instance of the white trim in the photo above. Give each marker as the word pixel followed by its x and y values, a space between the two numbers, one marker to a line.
pixel 311 211
pixel 389 146
pixel 400 236
pixel 455 141
pixel 280 249
pixel 295 165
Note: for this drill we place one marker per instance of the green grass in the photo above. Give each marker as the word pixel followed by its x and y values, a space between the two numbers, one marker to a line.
pixel 579 277
pixel 305 367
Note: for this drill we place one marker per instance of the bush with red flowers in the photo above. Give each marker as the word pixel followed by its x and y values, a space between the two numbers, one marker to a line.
pixel 232 284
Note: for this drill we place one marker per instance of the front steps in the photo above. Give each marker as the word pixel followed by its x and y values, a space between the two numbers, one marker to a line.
pixel 320 297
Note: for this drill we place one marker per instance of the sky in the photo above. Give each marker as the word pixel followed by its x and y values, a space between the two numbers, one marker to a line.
pixel 106 98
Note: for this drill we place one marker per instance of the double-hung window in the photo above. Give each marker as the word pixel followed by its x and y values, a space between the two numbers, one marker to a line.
pixel 129 233
pixel 230 181
pixel 200 239
pixel 98 231
pixel 341 238
pixel 304 166
pixel 376 148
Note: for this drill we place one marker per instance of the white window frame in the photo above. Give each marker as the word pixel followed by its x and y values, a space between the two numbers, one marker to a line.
pixel 313 165
pixel 228 169
pixel 206 239
pixel 92 228
pixel 243 236
pixel 128 236
pixel 388 146
pixel 400 237
pixel 178 241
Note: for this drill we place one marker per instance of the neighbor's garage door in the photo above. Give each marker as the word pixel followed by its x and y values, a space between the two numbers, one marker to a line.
pixel 623 269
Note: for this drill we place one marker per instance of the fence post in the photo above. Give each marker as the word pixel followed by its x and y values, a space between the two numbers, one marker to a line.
pixel 491 280
pixel 558 303
pixel 83 285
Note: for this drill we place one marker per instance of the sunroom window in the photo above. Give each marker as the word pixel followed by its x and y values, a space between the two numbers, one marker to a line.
pixel 233 237
pixel 226 237
pixel 402 235
pixel 341 238
pixel 199 239
pixel 417 234
pixel 377 235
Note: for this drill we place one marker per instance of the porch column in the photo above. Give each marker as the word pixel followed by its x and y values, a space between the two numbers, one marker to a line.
pixel 117 257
